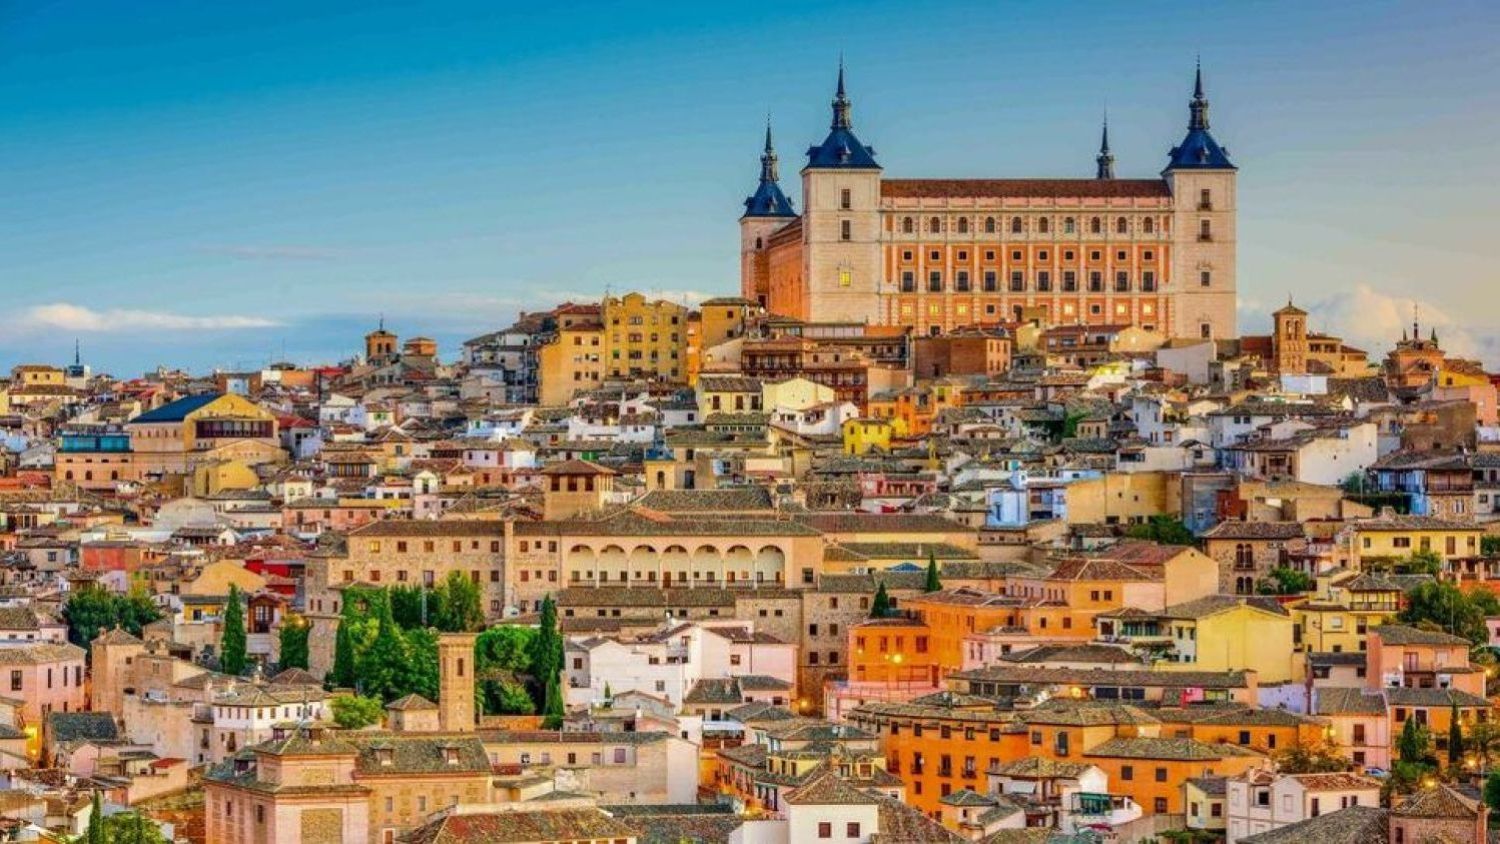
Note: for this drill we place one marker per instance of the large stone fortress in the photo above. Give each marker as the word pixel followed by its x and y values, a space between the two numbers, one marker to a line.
pixel 936 254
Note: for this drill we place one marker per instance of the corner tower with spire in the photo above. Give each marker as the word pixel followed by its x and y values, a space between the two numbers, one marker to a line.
pixel 766 211
pixel 841 265
pixel 1202 181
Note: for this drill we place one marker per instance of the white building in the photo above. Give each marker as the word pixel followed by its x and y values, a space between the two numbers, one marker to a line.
pixel 1260 801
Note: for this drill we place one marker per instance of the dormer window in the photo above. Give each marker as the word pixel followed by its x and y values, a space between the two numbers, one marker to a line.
pixel 450 755
pixel 385 756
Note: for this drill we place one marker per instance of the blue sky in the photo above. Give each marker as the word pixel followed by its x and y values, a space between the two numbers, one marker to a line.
pixel 219 184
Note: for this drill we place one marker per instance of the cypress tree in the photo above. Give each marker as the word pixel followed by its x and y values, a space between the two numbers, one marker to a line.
pixel 294 633
pixel 232 643
pixel 933 583
pixel 344 674
pixel 552 708
pixel 881 606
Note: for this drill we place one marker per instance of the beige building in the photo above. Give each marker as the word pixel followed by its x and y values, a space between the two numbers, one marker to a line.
pixel 935 254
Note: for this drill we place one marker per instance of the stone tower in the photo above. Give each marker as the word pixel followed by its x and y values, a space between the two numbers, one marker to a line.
pixel 113 655
pixel 766 210
pixel 456 682
pixel 1289 340
pixel 841 263
pixel 1202 181
pixel 380 346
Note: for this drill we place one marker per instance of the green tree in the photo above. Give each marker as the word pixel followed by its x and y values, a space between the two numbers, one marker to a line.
pixel 1353 483
pixel 514 700
pixel 1284 580
pixel 89 612
pixel 406 606
pixel 1167 530
pixel 1422 561
pixel 132 828
pixel 1446 606
pixel 880 607
pixel 293 644
pixel 1455 739
pixel 95 833
pixel 547 651
pixel 552 706
pixel 1492 792
pixel 355 712
pixel 933 582
pixel 345 673
pixel 1489 545
pixel 93 609
pixel 1412 744
pixel 1311 758
pixel 385 666
pixel 232 658
pixel 462 607
pixel 421 675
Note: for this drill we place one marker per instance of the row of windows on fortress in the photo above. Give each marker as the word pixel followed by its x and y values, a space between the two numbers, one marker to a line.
pixel 1029 224
pixel 1147 226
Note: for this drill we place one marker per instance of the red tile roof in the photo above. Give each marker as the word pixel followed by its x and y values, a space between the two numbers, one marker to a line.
pixel 1052 188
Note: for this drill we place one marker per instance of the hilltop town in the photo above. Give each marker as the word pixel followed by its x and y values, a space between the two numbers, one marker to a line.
pixel 968 516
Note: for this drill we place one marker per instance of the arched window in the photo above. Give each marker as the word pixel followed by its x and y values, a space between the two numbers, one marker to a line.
pixel 1096 226
pixel 989 225
pixel 757 243
pixel 907 226
pixel 963 225
pixel 1069 226
pixel 935 225
pixel 1149 225
pixel 1043 225
pixel 1122 225
pixel 1015 225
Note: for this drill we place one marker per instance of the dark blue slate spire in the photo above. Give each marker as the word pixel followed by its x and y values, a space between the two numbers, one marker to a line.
pixel 841 150
pixel 768 200
pixel 1105 159
pixel 1199 150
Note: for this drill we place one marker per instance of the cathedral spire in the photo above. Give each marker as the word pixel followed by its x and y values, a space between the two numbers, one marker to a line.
pixel 841 104
pixel 1198 108
pixel 1105 159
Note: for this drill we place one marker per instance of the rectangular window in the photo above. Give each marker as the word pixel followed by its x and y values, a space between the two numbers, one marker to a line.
pixel 961 281
pixel 825 829
pixel 846 199
pixel 1205 278
pixel 1017 281
pixel 1070 281
pixel 846 230
pixel 1148 281
pixel 990 281
pixel 935 281
pixel 908 281
pixel 1122 281
pixel 1096 281
pixel 1043 281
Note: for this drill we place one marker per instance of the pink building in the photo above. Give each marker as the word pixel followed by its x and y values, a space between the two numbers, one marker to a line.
pixel 43 678
pixel 1401 656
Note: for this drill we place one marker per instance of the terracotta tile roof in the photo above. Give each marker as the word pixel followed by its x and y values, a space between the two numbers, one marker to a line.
pixel 521 827
pixel 1354 825
pixel 1039 188
pixel 1439 801
pixel 1166 748
pixel 1401 634
pixel 1235 529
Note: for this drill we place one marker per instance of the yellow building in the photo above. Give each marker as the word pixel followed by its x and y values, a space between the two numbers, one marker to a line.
pixel 863 435
pixel 214 477
pixel 717 322
pixel 644 338
pixel 175 438
pixel 1379 543
pixel 216 578
pixel 1337 618
pixel 1232 633
pixel 795 394
pixel 574 360
pixel 37 375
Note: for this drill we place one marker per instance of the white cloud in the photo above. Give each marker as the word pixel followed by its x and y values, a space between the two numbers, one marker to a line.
pixel 1374 321
pixel 63 316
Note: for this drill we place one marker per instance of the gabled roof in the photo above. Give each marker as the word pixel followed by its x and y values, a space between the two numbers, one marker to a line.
pixel 826 788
